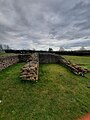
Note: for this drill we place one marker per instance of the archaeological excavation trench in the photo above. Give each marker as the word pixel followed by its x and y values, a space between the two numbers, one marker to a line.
pixel 30 70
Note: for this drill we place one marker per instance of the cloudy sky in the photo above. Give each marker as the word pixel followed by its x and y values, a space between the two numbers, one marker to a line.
pixel 40 24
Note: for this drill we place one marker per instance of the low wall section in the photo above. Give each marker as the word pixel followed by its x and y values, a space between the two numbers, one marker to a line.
pixel 23 57
pixel 30 70
pixel 45 58
pixel 7 61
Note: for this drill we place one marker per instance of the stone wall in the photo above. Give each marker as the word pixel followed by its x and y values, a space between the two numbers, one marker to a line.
pixel 23 57
pixel 76 69
pixel 7 61
pixel 54 58
pixel 45 58
pixel 30 70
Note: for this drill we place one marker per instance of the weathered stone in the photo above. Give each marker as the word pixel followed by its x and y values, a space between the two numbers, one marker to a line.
pixel 7 61
pixel 73 67
pixel 30 70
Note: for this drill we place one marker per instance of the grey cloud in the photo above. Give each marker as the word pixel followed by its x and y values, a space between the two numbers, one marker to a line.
pixel 21 14
pixel 84 43
pixel 44 23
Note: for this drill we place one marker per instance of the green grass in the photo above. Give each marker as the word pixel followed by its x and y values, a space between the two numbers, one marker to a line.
pixel 6 54
pixel 58 95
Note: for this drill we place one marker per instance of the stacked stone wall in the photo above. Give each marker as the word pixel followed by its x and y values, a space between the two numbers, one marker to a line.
pixel 45 58
pixel 30 70
pixel 23 57
pixel 7 61
pixel 76 69
pixel 34 60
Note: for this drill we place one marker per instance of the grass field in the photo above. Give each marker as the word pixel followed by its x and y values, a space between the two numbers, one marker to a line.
pixel 58 95
pixel 6 54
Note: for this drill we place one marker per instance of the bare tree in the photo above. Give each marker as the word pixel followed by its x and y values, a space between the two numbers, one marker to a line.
pixel 50 49
pixel 6 47
pixel 61 49
pixel 1 47
pixel 82 48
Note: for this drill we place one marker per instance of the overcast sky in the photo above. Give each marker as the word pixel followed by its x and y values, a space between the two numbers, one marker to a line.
pixel 40 24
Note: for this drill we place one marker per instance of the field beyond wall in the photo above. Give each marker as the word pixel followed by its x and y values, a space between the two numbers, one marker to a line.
pixel 58 95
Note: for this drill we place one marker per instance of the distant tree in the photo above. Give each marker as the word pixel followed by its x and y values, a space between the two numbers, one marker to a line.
pixel 34 49
pixel 1 47
pixel 50 49
pixel 61 49
pixel 6 47
pixel 82 48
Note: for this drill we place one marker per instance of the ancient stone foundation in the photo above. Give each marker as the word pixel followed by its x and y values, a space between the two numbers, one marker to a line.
pixel 76 69
pixel 23 57
pixel 54 58
pixel 7 61
pixel 30 70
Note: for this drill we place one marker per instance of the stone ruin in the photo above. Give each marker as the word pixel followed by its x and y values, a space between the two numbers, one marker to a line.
pixel 76 69
pixel 6 61
pixel 30 70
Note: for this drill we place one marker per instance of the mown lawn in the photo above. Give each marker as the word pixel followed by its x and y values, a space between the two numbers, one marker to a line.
pixel 58 95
